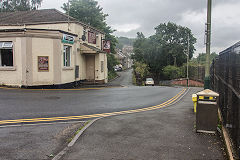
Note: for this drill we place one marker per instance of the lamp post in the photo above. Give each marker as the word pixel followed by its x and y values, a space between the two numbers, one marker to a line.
pixel 208 45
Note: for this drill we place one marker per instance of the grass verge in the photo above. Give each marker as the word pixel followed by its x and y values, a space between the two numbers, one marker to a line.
pixel 70 139
pixel 112 75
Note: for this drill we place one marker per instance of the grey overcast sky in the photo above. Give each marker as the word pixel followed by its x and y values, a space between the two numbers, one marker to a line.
pixel 131 16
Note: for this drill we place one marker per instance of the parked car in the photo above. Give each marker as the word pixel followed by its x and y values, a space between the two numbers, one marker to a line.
pixel 149 82
pixel 117 68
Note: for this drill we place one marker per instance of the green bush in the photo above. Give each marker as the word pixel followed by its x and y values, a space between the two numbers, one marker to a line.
pixel 112 75
pixel 141 71
pixel 172 72
pixel 111 62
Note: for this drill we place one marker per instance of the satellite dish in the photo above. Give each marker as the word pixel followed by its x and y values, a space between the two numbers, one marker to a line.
pixel 83 37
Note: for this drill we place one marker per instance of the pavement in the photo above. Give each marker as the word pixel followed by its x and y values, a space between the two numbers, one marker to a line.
pixel 35 142
pixel 166 133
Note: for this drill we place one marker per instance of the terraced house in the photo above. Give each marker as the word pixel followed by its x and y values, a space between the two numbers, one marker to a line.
pixel 46 47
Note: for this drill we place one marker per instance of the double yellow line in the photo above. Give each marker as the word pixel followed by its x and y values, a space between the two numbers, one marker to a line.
pixel 38 120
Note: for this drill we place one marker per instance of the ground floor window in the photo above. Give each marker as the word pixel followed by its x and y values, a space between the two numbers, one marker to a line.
pixel 6 54
pixel 67 56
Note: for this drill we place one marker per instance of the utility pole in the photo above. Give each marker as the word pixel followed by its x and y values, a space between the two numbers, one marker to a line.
pixel 187 62
pixel 68 16
pixel 208 45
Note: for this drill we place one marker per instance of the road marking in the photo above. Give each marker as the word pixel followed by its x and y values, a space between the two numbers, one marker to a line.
pixel 38 124
pixel 77 89
pixel 53 119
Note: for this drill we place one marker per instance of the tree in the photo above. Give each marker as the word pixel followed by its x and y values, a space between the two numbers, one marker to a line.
pixel 141 72
pixel 19 5
pixel 167 46
pixel 201 59
pixel 89 12
pixel 172 72
pixel 174 40
pixel 139 47
pixel 112 61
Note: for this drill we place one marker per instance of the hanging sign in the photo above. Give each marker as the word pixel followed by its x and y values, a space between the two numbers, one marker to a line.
pixel 43 65
pixel 91 37
pixel 68 39
pixel 106 46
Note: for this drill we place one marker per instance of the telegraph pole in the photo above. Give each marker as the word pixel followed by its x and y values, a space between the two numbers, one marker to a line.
pixel 188 62
pixel 208 45
pixel 68 16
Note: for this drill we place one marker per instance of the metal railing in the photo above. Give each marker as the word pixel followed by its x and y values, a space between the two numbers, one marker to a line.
pixel 225 79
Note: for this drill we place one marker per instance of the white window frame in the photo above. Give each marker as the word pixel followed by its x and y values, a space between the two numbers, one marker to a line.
pixel 6 45
pixel 65 56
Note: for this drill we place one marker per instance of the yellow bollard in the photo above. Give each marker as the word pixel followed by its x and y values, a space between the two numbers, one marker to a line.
pixel 194 99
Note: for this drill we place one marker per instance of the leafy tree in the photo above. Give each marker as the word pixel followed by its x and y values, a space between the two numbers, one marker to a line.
pixel 139 47
pixel 172 72
pixel 201 59
pixel 89 12
pixel 112 61
pixel 167 46
pixel 141 72
pixel 19 5
pixel 174 41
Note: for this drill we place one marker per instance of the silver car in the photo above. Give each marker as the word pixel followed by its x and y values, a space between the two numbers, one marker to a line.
pixel 149 82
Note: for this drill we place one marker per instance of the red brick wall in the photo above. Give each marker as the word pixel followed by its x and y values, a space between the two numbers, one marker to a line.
pixel 183 82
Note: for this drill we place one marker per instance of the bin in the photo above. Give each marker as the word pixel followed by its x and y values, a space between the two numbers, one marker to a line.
pixel 207 111
pixel 194 99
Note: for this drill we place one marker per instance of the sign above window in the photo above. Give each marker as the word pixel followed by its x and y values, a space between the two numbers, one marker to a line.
pixel 6 45
pixel 91 37
pixel 107 46
pixel 68 39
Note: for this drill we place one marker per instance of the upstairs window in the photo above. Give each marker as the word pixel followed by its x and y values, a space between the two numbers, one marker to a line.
pixel 67 56
pixel 6 54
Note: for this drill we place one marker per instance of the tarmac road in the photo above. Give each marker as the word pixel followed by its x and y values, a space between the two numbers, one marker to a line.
pixel 22 104
pixel 41 141
pixel 125 78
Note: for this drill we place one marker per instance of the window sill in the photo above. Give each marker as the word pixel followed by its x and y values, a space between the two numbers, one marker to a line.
pixel 67 68
pixel 8 68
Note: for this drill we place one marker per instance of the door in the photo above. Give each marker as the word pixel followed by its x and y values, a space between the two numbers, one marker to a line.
pixel 90 67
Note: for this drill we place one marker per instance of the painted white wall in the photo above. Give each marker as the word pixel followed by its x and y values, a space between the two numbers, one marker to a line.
pixel 42 47
pixel 13 75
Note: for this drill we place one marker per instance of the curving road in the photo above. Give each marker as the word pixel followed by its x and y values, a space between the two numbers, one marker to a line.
pixel 22 104
pixel 125 78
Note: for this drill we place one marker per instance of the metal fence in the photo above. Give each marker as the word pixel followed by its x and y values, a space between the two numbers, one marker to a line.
pixel 225 79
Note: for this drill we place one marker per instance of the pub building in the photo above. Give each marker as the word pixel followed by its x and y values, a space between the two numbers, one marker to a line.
pixel 48 48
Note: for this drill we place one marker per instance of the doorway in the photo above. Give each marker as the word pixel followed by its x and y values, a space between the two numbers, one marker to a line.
pixel 90 67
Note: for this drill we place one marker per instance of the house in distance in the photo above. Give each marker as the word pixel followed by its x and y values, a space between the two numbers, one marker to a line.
pixel 46 47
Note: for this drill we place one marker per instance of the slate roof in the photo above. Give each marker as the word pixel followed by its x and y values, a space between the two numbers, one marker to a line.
pixel 33 17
